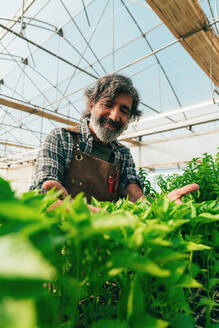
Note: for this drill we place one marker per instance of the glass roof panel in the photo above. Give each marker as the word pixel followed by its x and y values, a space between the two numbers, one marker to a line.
pixel 61 48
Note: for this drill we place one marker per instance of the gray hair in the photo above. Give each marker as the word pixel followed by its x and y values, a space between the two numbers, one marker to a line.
pixel 112 86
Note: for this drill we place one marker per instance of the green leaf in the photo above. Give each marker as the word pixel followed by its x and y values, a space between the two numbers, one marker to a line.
pixel 173 225
pixel 191 246
pixel 73 289
pixel 208 217
pixel 21 288
pixel 186 281
pixel 5 190
pixel 79 205
pixel 165 255
pixel 72 293
pixel 18 313
pixel 194 269
pixel 213 282
pixel 33 198
pixel 177 269
pixel 48 318
pixel 109 323
pixel 109 222
pixel 77 211
pixel 160 207
pixel 207 301
pixel 147 321
pixel 19 259
pixel 160 242
pixel 115 272
pixel 176 298
pixel 136 302
pixel 15 210
pixel 193 210
pixel 139 264
pixel 151 268
pixel 182 320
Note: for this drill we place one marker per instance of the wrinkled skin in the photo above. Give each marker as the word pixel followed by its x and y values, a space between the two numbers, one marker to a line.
pixel 176 194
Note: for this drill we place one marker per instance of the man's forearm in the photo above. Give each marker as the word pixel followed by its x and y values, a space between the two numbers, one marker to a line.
pixel 134 192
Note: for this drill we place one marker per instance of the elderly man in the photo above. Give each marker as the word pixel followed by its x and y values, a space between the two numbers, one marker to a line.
pixel 89 158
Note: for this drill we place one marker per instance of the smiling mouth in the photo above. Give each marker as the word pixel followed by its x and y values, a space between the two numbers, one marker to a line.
pixel 109 126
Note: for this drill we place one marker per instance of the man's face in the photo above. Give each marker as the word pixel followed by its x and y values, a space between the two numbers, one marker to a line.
pixel 110 117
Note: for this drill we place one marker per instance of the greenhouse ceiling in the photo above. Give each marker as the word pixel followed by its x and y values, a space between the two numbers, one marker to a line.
pixel 51 50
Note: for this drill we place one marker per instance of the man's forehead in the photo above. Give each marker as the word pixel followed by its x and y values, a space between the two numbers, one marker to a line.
pixel 112 98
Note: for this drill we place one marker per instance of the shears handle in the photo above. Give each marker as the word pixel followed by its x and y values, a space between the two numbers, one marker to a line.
pixel 110 182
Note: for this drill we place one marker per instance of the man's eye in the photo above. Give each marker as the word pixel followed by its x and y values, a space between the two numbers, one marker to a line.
pixel 108 105
pixel 125 111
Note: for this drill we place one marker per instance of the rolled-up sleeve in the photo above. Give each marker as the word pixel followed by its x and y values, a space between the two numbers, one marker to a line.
pixel 51 160
pixel 128 174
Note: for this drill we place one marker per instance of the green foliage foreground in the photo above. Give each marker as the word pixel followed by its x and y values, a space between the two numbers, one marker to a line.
pixel 201 170
pixel 130 265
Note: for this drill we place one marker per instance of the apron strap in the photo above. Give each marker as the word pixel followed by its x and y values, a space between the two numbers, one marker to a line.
pixel 76 141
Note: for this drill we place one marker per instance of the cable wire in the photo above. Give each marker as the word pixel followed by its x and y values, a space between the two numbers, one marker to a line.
pixel 83 54
pixel 46 50
pixel 76 25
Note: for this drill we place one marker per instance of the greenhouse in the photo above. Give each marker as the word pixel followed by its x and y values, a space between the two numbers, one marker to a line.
pixel 109 182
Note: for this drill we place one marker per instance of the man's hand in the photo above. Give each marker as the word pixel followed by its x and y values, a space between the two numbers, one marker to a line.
pixel 176 194
pixel 135 193
pixel 49 184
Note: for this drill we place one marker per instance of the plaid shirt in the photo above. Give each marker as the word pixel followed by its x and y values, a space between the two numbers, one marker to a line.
pixel 55 157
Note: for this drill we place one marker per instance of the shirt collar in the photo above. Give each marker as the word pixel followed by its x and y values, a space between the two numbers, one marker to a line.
pixel 85 131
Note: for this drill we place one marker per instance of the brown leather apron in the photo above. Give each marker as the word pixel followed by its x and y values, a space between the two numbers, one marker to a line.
pixel 92 176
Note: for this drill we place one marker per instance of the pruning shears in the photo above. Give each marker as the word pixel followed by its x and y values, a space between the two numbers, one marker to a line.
pixel 113 182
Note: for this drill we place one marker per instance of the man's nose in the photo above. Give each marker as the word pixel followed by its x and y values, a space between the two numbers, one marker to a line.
pixel 114 114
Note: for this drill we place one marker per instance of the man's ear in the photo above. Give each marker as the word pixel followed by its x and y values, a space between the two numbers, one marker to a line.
pixel 91 105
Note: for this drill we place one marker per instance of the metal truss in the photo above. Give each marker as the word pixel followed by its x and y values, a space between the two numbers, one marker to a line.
pixel 58 100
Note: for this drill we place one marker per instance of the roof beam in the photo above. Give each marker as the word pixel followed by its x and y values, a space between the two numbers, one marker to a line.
pixel 24 156
pixel 163 165
pixel 177 111
pixel 172 126
pixel 184 18
pixel 15 145
pixel 35 111
pixel 133 142
pixel 19 35
pixel 173 138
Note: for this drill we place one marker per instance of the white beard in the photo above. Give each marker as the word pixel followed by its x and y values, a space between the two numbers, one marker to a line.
pixel 104 134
